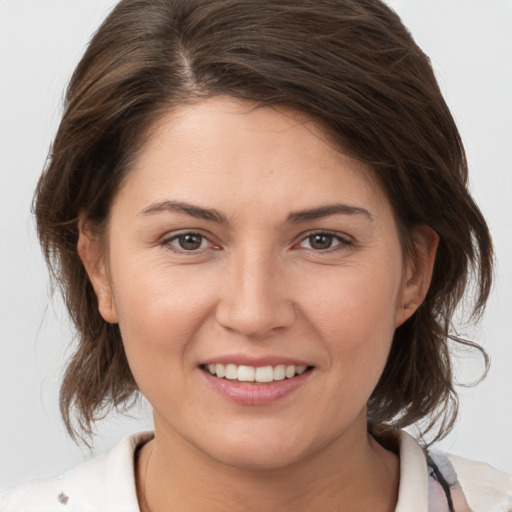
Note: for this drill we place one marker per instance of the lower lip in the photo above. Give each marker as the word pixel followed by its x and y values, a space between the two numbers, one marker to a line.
pixel 248 393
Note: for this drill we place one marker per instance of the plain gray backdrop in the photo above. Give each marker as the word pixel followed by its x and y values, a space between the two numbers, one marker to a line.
pixel 470 44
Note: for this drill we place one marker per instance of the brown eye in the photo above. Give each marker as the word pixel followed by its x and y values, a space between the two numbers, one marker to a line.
pixel 324 242
pixel 320 241
pixel 188 242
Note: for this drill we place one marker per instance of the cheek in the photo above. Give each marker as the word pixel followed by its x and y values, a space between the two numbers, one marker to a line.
pixel 159 310
pixel 354 312
pixel 350 315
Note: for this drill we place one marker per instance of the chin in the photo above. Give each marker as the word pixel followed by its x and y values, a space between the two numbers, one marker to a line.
pixel 256 458
pixel 257 449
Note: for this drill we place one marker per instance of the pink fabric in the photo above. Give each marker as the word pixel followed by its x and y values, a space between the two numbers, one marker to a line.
pixel 444 490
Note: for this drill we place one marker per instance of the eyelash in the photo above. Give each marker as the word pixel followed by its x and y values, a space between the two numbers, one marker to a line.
pixel 343 242
pixel 168 242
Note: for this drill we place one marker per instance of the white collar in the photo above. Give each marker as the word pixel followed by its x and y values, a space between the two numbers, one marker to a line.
pixel 413 490
pixel 108 481
pixel 114 476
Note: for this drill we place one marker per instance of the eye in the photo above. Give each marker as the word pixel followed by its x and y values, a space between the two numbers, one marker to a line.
pixel 323 242
pixel 188 242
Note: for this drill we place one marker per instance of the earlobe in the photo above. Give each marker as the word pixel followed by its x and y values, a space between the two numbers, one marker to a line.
pixel 90 251
pixel 419 272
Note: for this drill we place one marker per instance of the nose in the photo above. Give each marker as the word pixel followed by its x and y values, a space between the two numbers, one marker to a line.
pixel 255 300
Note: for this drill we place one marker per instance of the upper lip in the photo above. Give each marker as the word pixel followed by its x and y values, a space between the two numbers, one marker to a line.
pixel 246 360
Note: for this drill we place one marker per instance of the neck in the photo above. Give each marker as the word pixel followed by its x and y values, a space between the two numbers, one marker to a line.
pixel 353 474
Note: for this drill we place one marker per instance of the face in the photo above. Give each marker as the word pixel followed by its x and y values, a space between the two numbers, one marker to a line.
pixel 241 244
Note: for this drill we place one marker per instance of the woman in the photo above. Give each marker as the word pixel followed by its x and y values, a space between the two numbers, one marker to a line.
pixel 260 218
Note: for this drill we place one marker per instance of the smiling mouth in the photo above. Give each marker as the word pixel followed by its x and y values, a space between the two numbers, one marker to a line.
pixel 259 374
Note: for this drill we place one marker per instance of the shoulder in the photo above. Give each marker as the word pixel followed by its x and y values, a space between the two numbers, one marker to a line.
pixel 103 483
pixel 52 494
pixel 486 489
pixel 435 481
pixel 36 496
pixel 471 485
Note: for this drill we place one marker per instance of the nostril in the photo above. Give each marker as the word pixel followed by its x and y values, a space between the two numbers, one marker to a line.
pixel 254 319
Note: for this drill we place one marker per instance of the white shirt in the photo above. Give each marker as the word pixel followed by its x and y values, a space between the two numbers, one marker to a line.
pixel 107 484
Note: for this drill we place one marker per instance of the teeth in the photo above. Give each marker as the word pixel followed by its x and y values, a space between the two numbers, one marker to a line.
pixel 255 374
pixel 231 372
pixel 246 373
pixel 220 370
pixel 289 372
pixel 300 369
pixel 264 374
pixel 280 372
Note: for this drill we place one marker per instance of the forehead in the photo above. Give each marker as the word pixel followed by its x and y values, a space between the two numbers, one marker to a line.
pixel 225 149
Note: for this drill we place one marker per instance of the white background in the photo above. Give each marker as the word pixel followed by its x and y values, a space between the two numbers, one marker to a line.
pixel 470 44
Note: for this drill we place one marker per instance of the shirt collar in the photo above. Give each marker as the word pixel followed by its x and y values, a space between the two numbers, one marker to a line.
pixel 413 489
pixel 119 476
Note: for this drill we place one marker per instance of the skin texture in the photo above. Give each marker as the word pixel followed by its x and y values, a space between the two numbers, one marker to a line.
pixel 255 287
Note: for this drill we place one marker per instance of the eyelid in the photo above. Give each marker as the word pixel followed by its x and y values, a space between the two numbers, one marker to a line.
pixel 345 240
pixel 170 237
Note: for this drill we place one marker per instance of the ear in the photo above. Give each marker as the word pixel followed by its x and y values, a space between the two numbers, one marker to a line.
pixel 89 249
pixel 419 269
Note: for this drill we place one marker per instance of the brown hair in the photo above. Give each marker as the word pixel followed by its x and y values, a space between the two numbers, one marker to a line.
pixel 349 64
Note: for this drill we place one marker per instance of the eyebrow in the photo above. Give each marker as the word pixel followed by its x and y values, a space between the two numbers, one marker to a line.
pixel 213 215
pixel 189 209
pixel 327 211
